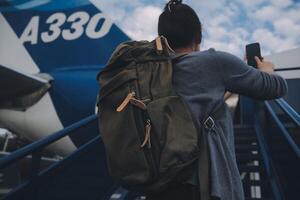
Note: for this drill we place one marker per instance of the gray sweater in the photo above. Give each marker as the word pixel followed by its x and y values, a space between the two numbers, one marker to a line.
pixel 202 78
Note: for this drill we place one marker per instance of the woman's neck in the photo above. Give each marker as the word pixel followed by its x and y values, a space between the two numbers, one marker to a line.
pixel 187 49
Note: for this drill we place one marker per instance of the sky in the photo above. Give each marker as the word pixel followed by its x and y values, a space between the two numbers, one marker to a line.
pixel 228 25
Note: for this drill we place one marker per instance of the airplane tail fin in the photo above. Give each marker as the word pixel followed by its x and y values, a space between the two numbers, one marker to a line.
pixel 42 36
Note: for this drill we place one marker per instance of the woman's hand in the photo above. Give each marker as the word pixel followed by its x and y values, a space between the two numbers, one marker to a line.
pixel 227 95
pixel 264 66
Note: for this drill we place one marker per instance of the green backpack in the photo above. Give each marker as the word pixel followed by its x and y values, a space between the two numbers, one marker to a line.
pixel 150 139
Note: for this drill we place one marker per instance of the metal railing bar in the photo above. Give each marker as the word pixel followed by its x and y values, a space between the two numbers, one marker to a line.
pixel 283 130
pixel 288 110
pixel 77 153
pixel 50 169
pixel 287 69
pixel 275 184
pixel 30 157
pixel 42 143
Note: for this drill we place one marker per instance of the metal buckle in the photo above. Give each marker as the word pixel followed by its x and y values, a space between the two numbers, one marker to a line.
pixel 209 123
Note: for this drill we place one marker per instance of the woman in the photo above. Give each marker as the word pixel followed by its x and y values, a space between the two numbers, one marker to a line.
pixel 202 78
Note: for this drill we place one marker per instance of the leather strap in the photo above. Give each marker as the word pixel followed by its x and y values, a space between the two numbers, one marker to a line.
pixel 159 47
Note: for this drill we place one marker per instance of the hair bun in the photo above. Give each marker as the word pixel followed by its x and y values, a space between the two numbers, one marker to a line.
pixel 171 3
pixel 175 1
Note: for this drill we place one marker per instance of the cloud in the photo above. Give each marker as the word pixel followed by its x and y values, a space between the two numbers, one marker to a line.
pixel 272 41
pixel 223 39
pixel 250 4
pixel 142 23
pixel 266 13
pixel 228 25
pixel 118 11
pixel 287 28
pixel 136 18
pixel 279 26
pixel 282 3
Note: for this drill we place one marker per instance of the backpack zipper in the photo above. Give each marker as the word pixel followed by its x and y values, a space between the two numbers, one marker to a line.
pixel 147 139
pixel 125 101
pixel 130 99
pixel 139 108
pixel 143 117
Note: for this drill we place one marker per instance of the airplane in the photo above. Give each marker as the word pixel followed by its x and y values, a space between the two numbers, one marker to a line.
pixel 50 54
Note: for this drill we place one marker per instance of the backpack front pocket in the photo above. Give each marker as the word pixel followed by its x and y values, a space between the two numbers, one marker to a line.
pixel 123 129
pixel 173 126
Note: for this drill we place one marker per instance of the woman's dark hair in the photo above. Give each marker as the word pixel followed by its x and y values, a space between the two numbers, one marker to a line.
pixel 180 24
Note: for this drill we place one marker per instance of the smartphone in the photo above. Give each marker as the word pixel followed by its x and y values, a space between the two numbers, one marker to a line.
pixel 252 50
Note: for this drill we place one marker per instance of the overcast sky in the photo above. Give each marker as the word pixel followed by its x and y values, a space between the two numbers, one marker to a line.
pixel 227 24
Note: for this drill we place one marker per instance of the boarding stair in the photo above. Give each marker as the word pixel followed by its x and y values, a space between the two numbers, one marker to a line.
pixel 250 163
pixel 267 155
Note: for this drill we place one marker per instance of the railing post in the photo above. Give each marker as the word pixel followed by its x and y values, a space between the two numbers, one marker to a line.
pixel 246 110
pixel 34 171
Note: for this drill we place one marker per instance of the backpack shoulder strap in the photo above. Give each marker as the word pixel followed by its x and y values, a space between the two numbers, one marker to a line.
pixel 176 57
pixel 209 122
pixel 204 160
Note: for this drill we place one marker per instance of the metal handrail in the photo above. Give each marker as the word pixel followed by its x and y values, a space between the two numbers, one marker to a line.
pixel 42 143
pixel 78 152
pixel 287 69
pixel 288 110
pixel 285 132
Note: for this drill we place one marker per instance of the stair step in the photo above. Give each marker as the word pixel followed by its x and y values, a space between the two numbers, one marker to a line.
pixel 243 129
pixel 244 132
pixel 243 126
pixel 247 157
pixel 245 140
pixel 250 168
pixel 239 148
pixel 248 183
pixel 245 136
pixel 247 150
